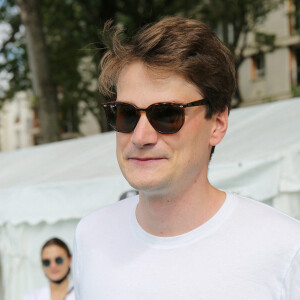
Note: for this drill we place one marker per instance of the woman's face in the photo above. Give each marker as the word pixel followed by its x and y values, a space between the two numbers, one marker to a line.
pixel 56 262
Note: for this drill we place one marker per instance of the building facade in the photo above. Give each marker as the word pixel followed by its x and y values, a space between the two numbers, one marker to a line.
pixel 19 126
pixel 268 76
pixel 17 123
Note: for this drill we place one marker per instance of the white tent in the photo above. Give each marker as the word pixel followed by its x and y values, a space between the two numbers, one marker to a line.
pixel 45 190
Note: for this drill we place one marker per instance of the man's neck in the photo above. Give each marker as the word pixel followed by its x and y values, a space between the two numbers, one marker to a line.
pixel 172 215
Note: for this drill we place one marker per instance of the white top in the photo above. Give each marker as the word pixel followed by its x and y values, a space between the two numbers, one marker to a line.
pixel 247 250
pixel 45 294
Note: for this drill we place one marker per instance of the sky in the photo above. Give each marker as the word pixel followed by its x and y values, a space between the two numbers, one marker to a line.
pixel 4 31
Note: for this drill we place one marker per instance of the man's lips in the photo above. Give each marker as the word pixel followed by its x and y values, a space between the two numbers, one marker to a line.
pixel 146 159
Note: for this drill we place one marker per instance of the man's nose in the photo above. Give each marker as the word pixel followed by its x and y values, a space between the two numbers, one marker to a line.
pixel 144 134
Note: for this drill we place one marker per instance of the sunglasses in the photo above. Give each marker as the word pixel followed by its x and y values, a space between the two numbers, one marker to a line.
pixel 46 262
pixel 165 117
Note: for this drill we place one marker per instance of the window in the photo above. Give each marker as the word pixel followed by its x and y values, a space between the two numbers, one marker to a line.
pixel 294 16
pixel 296 66
pixel 297 14
pixel 225 32
pixel 258 66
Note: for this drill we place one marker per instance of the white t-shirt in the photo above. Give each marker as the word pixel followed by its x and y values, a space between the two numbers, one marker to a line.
pixel 45 294
pixel 247 250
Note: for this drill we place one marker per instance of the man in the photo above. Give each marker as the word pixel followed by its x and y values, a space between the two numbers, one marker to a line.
pixel 180 238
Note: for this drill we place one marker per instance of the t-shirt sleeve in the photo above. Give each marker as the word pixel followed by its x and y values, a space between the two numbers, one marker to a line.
pixel 75 267
pixel 291 283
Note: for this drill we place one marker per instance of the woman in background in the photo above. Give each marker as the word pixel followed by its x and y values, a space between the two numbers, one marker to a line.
pixel 56 260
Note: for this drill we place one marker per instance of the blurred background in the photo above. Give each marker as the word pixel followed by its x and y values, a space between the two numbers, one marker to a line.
pixel 49 99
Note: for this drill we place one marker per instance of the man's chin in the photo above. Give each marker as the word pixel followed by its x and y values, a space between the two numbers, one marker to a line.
pixel 149 187
pixel 142 186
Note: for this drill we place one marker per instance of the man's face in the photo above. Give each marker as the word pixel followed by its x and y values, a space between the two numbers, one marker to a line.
pixel 157 163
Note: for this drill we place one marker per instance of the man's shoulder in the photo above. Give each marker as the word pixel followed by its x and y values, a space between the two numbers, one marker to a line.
pixel 109 214
pixel 267 218
pixel 263 209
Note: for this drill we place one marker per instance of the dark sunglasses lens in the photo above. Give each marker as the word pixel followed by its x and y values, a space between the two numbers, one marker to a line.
pixel 166 118
pixel 59 260
pixel 46 262
pixel 122 117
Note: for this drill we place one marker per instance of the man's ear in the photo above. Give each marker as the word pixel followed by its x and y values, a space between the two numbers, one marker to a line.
pixel 219 128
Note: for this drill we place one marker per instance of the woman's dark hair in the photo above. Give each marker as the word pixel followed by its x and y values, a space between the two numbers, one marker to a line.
pixel 57 242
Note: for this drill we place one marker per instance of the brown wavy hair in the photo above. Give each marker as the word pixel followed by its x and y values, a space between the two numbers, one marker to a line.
pixel 187 47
